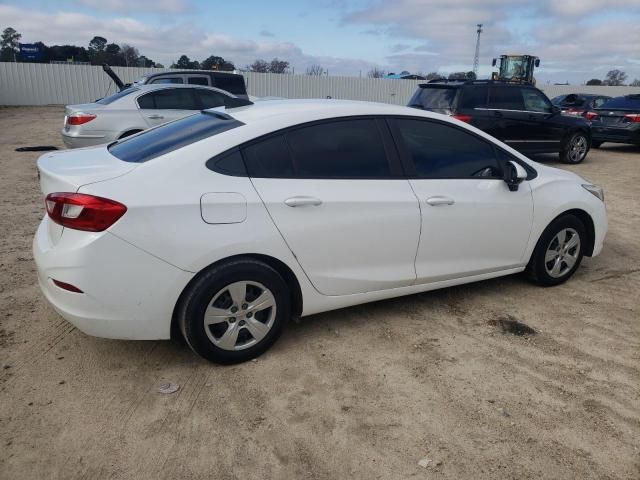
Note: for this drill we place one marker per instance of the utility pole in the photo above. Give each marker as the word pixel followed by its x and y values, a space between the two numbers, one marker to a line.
pixel 476 59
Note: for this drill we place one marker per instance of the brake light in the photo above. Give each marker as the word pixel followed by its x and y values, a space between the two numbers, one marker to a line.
pixel 461 117
pixel 573 111
pixel 83 212
pixel 590 115
pixel 79 118
pixel 633 117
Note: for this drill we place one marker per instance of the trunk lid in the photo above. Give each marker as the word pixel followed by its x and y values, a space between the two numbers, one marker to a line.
pixel 68 170
pixel 614 118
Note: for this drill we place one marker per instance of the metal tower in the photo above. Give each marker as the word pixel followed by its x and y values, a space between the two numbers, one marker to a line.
pixel 476 59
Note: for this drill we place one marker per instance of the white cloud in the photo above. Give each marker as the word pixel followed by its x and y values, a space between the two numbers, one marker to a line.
pixel 127 6
pixel 166 43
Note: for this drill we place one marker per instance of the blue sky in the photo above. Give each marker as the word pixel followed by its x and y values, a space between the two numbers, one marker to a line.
pixel 575 39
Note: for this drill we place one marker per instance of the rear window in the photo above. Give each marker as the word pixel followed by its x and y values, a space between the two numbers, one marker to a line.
pixel 630 102
pixel 172 136
pixel 439 99
pixel 116 96
pixel 474 96
pixel 230 83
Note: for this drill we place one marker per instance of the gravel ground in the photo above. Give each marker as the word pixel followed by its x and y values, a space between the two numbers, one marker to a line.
pixel 426 386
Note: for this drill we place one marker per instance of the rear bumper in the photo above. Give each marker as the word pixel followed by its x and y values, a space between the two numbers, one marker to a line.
pixel 616 135
pixel 80 141
pixel 128 293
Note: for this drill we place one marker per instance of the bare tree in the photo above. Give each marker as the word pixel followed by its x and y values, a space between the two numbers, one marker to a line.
pixel 376 72
pixel 615 78
pixel 635 83
pixel 315 70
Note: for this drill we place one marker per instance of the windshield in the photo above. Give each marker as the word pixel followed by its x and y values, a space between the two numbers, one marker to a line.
pixel 116 96
pixel 438 99
pixel 514 67
pixel 172 136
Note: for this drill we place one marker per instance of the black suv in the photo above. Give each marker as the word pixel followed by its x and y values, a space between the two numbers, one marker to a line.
pixel 518 114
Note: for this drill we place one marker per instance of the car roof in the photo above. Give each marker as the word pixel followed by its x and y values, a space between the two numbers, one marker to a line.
pixel 277 114
pixel 187 72
pixel 162 86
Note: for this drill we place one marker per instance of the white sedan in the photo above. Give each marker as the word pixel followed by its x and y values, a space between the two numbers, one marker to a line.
pixel 223 227
pixel 138 108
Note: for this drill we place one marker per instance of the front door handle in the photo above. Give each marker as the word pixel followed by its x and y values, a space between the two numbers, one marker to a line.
pixel 155 117
pixel 439 200
pixel 303 202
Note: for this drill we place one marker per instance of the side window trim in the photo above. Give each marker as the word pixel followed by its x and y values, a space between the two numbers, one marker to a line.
pixel 395 167
pixel 405 156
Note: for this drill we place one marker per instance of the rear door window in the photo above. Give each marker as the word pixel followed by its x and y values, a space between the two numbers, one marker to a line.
pixel 169 99
pixel 474 96
pixel 437 150
pixel 167 80
pixel 506 98
pixel 198 80
pixel 330 150
pixel 210 99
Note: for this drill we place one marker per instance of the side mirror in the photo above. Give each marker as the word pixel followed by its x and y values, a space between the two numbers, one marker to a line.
pixel 514 175
pixel 493 64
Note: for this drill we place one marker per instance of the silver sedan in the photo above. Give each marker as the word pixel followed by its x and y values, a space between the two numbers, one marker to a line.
pixel 137 108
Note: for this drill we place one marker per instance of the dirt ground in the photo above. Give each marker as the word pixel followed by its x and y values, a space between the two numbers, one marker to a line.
pixel 366 392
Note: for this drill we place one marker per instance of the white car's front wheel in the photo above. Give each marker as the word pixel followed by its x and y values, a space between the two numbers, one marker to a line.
pixel 559 251
pixel 235 311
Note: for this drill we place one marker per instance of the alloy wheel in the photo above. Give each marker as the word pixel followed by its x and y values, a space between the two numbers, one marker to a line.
pixel 240 315
pixel 577 148
pixel 562 253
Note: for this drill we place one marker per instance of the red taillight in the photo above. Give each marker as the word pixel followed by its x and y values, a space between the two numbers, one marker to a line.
pixel 79 118
pixel 633 117
pixel 66 286
pixel 590 115
pixel 83 212
pixel 461 117
pixel 573 111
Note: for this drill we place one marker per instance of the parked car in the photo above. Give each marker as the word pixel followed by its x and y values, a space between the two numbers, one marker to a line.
pixel 518 114
pixel 579 104
pixel 224 226
pixel 137 108
pixel 227 81
pixel 617 120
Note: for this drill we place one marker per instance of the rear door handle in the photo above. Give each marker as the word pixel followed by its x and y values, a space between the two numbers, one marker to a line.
pixel 155 117
pixel 303 202
pixel 439 200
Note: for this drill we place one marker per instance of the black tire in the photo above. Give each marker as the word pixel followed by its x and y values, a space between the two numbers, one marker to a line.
pixel 537 269
pixel 128 134
pixel 575 148
pixel 596 144
pixel 197 299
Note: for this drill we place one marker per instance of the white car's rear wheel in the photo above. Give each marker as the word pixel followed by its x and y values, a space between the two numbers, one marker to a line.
pixel 235 311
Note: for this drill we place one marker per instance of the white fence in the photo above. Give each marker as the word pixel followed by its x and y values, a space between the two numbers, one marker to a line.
pixel 52 84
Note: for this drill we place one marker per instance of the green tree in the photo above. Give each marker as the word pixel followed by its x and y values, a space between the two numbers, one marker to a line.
pixel 594 81
pixel 259 66
pixel 278 66
pixel 97 52
pixel 9 44
pixel 216 63
pixel 185 63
